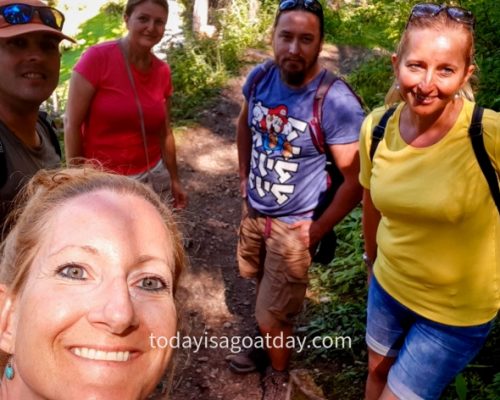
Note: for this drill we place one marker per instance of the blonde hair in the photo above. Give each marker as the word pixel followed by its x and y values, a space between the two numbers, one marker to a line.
pixel 437 22
pixel 46 192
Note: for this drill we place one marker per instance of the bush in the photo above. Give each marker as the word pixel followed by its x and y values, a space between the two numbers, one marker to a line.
pixel 197 74
pixel 487 31
pixel 378 25
pixel 372 80
pixel 200 66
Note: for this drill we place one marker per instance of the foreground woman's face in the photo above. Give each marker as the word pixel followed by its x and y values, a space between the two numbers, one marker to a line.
pixel 99 287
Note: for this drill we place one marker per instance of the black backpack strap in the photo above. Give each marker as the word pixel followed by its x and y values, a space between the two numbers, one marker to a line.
pixel 50 127
pixel 379 131
pixel 476 138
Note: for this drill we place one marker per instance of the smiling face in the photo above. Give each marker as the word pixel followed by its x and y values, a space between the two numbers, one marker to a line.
pixel 29 67
pixel 146 24
pixel 432 68
pixel 296 45
pixel 100 286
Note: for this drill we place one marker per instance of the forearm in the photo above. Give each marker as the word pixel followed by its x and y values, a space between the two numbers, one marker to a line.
pixel 244 150
pixel 73 145
pixel 169 156
pixel 346 198
pixel 244 146
pixel 371 220
pixel 80 96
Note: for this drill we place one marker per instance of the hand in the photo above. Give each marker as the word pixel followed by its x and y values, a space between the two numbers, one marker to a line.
pixel 179 195
pixel 308 233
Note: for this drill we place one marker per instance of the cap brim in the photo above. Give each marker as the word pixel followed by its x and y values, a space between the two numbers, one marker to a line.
pixel 21 29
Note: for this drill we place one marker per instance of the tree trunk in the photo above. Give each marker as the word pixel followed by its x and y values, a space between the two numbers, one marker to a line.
pixel 253 9
pixel 200 15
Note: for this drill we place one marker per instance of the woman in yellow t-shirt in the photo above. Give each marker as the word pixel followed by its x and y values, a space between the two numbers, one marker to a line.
pixel 431 226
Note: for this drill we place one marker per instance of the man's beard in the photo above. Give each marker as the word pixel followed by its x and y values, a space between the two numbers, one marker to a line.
pixel 295 78
pixel 298 77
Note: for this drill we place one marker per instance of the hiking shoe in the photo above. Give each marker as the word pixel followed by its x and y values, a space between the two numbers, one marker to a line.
pixel 241 363
pixel 275 384
pixel 250 361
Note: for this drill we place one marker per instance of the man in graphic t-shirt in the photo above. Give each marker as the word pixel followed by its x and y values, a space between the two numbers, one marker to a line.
pixel 283 180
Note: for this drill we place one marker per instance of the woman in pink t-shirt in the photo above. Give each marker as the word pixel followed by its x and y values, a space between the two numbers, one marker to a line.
pixel 103 120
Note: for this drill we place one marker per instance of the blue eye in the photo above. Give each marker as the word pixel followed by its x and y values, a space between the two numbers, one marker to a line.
pixel 72 271
pixel 153 284
pixel 448 71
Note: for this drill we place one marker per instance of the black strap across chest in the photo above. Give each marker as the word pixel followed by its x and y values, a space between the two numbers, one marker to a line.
pixel 477 141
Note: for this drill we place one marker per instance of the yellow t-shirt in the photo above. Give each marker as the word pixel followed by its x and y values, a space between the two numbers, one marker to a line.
pixel 438 238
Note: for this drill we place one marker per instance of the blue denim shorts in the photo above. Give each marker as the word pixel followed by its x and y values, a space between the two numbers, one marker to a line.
pixel 428 354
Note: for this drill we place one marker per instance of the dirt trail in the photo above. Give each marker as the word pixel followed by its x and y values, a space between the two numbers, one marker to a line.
pixel 214 300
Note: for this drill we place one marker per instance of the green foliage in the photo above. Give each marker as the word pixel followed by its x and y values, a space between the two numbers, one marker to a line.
pixel 197 74
pixel 475 383
pixel 200 66
pixel 461 387
pixel 338 309
pixel 379 24
pixel 492 392
pixel 238 32
pixel 487 32
pixel 106 25
pixel 372 80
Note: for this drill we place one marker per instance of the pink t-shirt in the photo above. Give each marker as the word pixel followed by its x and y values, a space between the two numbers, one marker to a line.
pixel 111 132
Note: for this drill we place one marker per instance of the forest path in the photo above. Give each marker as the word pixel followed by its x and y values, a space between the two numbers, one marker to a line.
pixel 214 301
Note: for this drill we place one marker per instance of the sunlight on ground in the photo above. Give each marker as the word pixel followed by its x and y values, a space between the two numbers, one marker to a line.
pixel 204 293
pixel 215 155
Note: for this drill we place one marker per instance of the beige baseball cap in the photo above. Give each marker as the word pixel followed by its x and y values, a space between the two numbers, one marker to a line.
pixel 26 16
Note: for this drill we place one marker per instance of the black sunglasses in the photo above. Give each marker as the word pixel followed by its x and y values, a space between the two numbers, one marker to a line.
pixel 311 5
pixel 458 14
pixel 20 13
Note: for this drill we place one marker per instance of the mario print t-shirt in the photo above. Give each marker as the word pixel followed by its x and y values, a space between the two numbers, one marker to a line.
pixel 287 173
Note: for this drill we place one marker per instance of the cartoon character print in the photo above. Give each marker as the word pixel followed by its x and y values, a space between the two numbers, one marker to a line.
pixel 275 127
pixel 259 116
pixel 275 159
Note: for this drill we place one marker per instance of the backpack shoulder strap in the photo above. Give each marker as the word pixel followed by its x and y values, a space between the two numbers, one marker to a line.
pixel 327 81
pixel 262 71
pixel 476 138
pixel 379 131
pixel 317 135
pixel 49 126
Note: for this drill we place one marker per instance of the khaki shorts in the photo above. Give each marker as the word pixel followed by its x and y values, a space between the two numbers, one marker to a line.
pixel 273 253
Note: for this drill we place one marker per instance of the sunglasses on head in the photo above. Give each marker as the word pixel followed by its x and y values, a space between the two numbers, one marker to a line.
pixel 19 13
pixel 458 14
pixel 311 5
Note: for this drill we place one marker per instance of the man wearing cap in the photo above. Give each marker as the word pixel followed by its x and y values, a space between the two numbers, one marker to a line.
pixel 283 179
pixel 30 33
